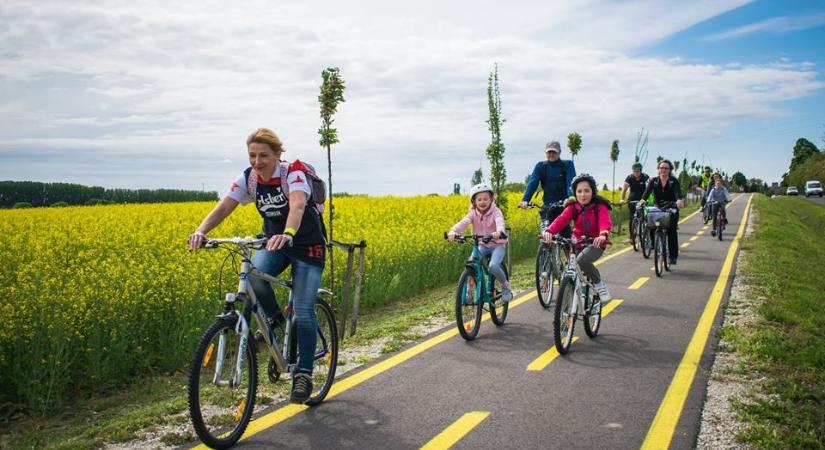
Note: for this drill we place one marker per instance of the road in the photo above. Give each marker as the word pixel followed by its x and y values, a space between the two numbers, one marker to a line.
pixel 820 200
pixel 640 383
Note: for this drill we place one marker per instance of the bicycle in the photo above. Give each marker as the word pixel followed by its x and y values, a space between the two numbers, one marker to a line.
pixel 223 377
pixel 477 289
pixel 549 260
pixel 577 300
pixel 706 212
pixel 718 219
pixel 640 238
pixel 658 220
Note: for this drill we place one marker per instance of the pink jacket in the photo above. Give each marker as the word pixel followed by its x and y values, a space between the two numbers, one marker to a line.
pixel 483 224
pixel 583 221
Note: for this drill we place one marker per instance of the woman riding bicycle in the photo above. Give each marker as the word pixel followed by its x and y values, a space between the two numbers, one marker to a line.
pixel 282 195
pixel 666 191
pixel 719 194
pixel 590 214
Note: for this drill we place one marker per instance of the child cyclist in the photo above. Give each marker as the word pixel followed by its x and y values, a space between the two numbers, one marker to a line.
pixel 486 219
pixel 590 214
pixel 719 193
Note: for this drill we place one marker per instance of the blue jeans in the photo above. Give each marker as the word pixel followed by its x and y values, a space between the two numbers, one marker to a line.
pixel 306 279
pixel 495 262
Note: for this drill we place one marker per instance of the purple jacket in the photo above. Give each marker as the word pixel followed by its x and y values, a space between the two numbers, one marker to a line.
pixel 483 224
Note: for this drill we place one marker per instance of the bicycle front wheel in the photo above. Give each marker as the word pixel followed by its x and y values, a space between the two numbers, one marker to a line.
pixel 564 321
pixel 593 315
pixel 645 241
pixel 220 401
pixel 326 353
pixel 634 235
pixel 658 253
pixel 720 225
pixel 545 276
pixel 468 304
pixel 498 314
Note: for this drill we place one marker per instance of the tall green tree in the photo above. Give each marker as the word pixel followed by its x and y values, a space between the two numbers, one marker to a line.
pixel 614 156
pixel 332 93
pixel 477 177
pixel 802 150
pixel 739 179
pixel 495 151
pixel 574 144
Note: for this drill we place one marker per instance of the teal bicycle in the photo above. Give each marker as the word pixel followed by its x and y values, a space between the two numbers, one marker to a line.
pixel 478 290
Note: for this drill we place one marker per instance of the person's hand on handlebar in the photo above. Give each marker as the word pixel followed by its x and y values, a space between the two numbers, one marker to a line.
pixel 523 205
pixel 451 236
pixel 196 240
pixel 278 242
pixel 680 203
pixel 599 241
pixel 496 235
pixel 547 236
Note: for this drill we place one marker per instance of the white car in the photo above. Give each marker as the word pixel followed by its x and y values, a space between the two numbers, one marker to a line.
pixel 813 188
pixel 792 191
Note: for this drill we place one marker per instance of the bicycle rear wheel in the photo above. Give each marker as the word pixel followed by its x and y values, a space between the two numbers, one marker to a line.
pixel 593 315
pixel 545 276
pixel 498 314
pixel 633 233
pixel 658 253
pixel 564 321
pixel 645 241
pixel 220 406
pixel 467 306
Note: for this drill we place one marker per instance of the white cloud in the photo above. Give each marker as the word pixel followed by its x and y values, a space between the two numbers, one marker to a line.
pixel 128 85
pixel 778 25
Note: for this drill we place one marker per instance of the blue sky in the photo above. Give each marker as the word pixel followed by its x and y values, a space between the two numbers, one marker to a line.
pixel 163 94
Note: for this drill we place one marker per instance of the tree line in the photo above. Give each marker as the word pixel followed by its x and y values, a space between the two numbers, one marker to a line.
pixel 807 163
pixel 23 194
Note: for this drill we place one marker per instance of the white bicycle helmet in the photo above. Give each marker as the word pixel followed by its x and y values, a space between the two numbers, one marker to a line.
pixel 480 187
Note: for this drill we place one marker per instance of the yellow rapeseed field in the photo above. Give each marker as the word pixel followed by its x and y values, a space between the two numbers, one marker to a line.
pixel 92 297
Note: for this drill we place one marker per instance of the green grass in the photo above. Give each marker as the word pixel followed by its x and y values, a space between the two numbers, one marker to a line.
pixel 784 265
pixel 119 416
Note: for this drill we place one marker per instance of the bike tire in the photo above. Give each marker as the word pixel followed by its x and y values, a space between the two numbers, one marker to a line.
pixel 646 247
pixel 235 410
pixel 720 226
pixel 593 315
pixel 634 235
pixel 324 367
pixel 665 251
pixel 545 276
pixel 658 255
pixel 564 322
pixel 467 306
pixel 499 314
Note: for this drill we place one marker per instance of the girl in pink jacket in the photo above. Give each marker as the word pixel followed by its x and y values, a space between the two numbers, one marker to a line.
pixel 591 215
pixel 486 219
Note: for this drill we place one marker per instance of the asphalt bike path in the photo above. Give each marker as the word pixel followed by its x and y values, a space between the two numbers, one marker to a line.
pixel 640 383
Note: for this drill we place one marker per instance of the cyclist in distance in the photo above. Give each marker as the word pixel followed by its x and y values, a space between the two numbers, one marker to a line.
pixel 720 194
pixel 666 190
pixel 486 219
pixel 705 183
pixel 555 176
pixel 281 194
pixel 636 183
pixel 590 214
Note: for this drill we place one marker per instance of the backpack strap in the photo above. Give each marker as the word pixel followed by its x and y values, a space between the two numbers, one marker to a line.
pixel 284 174
pixel 251 181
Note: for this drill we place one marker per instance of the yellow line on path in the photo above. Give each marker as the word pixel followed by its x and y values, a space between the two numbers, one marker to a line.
pixel 638 283
pixel 664 424
pixel 685 245
pixel 547 357
pixel 456 431
pixel 693 238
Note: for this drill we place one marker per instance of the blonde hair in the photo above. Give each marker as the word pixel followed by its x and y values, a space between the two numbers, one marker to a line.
pixel 268 137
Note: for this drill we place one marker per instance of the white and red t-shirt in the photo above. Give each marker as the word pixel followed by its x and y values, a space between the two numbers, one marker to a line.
pixel 273 206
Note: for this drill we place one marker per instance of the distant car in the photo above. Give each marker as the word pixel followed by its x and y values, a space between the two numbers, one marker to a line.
pixel 792 191
pixel 813 187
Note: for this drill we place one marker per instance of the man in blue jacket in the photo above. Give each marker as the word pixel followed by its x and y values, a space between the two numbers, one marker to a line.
pixel 555 176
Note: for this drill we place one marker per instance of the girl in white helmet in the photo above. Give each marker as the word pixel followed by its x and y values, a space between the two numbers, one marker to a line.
pixel 486 219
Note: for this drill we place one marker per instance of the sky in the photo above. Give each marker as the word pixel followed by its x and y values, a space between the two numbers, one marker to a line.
pixel 162 94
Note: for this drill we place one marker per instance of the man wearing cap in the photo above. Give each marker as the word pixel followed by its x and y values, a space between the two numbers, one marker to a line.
pixel 555 176
pixel 636 182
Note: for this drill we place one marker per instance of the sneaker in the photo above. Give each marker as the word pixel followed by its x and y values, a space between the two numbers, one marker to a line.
pixel 725 220
pixel 507 295
pixel 301 387
pixel 604 294
pixel 672 261
pixel 713 233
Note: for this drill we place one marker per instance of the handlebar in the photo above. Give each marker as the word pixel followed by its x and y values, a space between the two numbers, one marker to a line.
pixel 246 242
pixel 475 237
pixel 558 204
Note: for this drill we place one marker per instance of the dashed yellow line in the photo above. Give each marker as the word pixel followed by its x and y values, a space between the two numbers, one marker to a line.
pixel 638 283
pixel 685 245
pixel 693 238
pixel 456 431
pixel 547 357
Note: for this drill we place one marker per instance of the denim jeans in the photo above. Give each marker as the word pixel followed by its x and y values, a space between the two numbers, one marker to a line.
pixel 495 262
pixel 306 279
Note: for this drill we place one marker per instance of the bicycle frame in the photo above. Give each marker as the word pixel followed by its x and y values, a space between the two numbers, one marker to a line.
pixel 482 275
pixel 579 284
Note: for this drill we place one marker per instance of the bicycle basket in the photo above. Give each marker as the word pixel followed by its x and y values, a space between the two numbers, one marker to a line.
pixel 657 217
